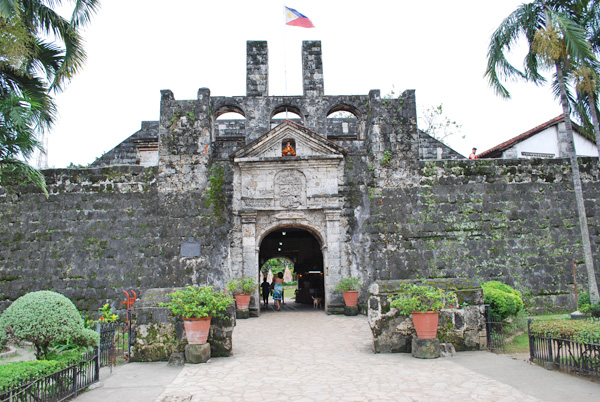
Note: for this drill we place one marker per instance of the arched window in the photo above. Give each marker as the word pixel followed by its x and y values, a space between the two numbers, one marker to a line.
pixel 230 122
pixel 343 122
pixel 286 112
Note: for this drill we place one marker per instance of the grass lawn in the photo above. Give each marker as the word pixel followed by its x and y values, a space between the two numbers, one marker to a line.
pixel 518 328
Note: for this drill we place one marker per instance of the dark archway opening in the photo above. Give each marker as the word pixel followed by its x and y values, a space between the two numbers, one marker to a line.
pixel 304 250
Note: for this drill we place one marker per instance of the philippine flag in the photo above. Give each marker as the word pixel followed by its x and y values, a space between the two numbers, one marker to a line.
pixel 295 19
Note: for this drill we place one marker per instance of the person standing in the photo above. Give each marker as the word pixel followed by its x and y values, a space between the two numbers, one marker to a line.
pixel 473 154
pixel 265 290
pixel 278 290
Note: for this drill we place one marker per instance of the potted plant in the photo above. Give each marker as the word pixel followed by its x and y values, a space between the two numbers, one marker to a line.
pixel 242 289
pixel 197 305
pixel 424 302
pixel 349 287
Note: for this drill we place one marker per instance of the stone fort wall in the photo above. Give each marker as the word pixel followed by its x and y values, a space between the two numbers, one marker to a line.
pixel 108 229
pixel 105 230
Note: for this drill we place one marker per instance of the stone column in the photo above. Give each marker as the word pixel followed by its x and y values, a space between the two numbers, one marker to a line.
pixel 250 255
pixel 333 260
pixel 257 68
pixel 312 68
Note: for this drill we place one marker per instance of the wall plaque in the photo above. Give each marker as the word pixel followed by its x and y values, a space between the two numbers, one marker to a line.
pixel 190 248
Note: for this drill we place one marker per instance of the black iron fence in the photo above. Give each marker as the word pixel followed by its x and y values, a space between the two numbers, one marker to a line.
pixel 60 385
pixel 495 330
pixel 115 342
pixel 565 354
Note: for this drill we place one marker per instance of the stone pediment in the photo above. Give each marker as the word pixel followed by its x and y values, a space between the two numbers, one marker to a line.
pixel 306 143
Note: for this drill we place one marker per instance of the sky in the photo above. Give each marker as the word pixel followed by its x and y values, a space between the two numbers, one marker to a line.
pixel 136 48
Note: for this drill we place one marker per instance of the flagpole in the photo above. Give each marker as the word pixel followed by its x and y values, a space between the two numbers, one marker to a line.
pixel 285 59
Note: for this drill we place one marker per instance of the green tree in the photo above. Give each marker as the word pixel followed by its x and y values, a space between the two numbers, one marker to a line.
pixel 555 41
pixel 31 68
pixel 44 317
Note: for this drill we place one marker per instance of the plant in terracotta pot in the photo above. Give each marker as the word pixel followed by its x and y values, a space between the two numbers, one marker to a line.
pixel 242 288
pixel 424 302
pixel 197 305
pixel 349 287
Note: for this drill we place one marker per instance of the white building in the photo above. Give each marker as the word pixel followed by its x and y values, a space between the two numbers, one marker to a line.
pixel 541 142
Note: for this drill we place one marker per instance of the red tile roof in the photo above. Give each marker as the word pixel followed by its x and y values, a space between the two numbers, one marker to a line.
pixel 496 152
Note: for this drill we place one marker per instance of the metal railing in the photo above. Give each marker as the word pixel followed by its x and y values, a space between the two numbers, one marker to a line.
pixel 495 330
pixel 60 385
pixel 115 342
pixel 567 355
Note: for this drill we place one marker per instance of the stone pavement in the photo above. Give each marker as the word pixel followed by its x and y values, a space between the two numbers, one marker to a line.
pixel 298 355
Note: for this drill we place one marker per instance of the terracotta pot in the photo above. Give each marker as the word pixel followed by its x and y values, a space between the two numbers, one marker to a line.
pixel 426 323
pixel 351 298
pixel 196 330
pixel 242 301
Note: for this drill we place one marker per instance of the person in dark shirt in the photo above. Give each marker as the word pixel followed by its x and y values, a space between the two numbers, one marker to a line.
pixel 265 289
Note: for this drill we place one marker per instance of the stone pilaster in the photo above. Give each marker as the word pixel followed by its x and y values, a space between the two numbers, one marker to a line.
pixel 257 68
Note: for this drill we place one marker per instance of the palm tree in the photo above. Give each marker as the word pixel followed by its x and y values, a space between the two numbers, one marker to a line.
pixel 30 69
pixel 555 41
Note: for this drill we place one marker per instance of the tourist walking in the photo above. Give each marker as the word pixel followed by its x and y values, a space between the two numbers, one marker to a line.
pixel 278 290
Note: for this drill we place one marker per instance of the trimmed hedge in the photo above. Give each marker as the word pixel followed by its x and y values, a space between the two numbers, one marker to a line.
pixel 14 374
pixel 504 301
pixel 45 317
pixel 584 331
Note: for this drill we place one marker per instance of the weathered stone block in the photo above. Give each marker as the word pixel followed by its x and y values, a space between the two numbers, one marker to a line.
pixel 425 348
pixel 242 314
pixel 447 350
pixel 177 359
pixel 197 353
pixel 350 310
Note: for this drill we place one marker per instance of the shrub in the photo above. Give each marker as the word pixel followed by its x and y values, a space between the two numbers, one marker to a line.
pixel 420 298
pixel 585 306
pixel 2 339
pixel 42 318
pixel 198 302
pixel 17 373
pixel 242 285
pixel 585 331
pixel 346 284
pixel 504 301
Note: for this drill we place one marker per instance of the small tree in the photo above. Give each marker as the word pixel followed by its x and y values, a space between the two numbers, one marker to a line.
pixel 44 317
pixel 436 123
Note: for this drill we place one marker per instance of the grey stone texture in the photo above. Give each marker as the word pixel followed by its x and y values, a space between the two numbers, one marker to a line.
pixel 425 348
pixel 462 327
pixel 377 210
pixel 160 335
pixel 195 354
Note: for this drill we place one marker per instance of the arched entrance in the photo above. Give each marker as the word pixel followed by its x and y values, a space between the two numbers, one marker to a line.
pixel 305 251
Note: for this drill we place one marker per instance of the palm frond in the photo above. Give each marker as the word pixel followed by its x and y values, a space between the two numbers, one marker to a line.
pixel 83 11
pixel 574 37
pixel 22 170
pixel 524 20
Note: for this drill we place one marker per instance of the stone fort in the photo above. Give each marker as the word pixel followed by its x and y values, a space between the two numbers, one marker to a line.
pixel 198 199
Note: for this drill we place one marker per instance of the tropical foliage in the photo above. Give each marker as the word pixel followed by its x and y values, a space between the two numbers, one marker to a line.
pixel 504 301
pixel 198 302
pixel 242 285
pixel 45 317
pixel 31 67
pixel 349 283
pixel 420 298
pixel 556 41
pixel 585 331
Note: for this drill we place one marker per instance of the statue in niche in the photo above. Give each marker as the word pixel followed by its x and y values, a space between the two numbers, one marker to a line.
pixel 288 150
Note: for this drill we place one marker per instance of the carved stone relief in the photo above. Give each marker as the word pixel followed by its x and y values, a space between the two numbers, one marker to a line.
pixel 290 189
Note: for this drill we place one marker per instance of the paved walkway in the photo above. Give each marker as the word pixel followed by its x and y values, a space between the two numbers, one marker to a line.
pixel 309 356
